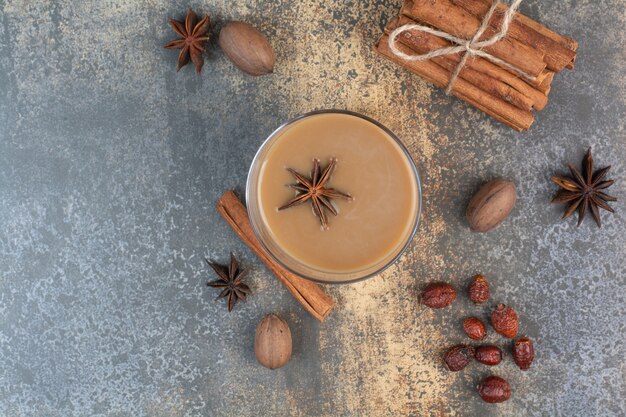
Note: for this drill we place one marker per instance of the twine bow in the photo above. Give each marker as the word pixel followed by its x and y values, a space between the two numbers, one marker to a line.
pixel 470 47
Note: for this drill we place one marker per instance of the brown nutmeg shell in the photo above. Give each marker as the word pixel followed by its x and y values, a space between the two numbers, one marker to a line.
pixel 247 48
pixel 504 321
pixel 491 205
pixel 272 343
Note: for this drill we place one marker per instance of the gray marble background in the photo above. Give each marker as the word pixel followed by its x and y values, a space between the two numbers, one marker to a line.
pixel 111 163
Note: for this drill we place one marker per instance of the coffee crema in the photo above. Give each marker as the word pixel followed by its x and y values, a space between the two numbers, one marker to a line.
pixel 371 166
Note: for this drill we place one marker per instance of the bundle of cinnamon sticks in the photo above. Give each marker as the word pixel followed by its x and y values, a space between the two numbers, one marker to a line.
pixel 494 89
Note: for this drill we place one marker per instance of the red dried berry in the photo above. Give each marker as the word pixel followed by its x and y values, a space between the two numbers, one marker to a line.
pixel 494 389
pixel 458 357
pixel 504 321
pixel 438 295
pixel 474 328
pixel 489 355
pixel 523 352
pixel 478 290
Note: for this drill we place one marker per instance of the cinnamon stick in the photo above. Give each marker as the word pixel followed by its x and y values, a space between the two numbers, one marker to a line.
pixel 541 82
pixel 448 17
pixel 566 41
pixel 308 293
pixel 499 109
pixel 557 55
pixel 478 71
pixel 546 84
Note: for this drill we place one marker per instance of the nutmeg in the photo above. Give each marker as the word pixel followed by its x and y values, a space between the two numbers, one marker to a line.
pixel 491 205
pixel 272 343
pixel 247 48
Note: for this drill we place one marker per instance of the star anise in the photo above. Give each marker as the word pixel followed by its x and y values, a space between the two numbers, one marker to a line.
pixel 583 191
pixel 230 281
pixel 313 189
pixel 193 35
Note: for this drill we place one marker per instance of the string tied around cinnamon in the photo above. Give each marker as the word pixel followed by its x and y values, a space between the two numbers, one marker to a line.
pixel 469 47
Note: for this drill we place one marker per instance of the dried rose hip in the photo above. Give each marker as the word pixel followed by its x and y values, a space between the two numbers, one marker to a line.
pixel 474 328
pixel 438 295
pixel 478 290
pixel 458 357
pixel 494 389
pixel 489 355
pixel 504 321
pixel 523 352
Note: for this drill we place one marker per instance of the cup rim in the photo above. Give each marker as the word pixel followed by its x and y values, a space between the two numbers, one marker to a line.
pixel 413 169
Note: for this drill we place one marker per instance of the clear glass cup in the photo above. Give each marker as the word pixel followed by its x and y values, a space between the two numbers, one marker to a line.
pixel 294 265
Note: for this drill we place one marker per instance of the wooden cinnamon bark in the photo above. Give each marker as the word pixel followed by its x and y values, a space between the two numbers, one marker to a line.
pixel 541 82
pixel 546 85
pixel 499 109
pixel 448 17
pixel 566 41
pixel 308 293
pixel 558 38
pixel 556 55
pixel 478 71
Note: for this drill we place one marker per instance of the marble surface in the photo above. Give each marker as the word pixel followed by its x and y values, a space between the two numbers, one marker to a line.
pixel 111 164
